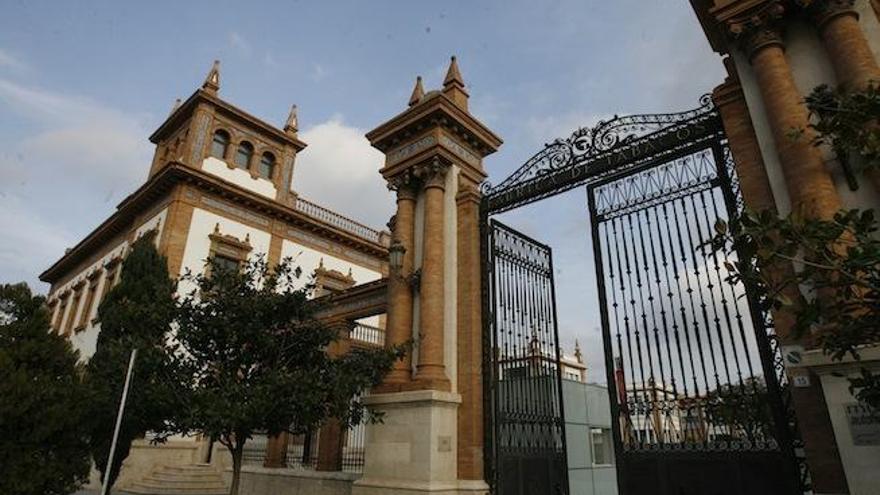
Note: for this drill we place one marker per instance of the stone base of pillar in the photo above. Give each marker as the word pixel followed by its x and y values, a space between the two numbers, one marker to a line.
pixel 414 449
pixel 399 487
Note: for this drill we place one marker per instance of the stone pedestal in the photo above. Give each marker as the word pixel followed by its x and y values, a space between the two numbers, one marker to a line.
pixel 413 451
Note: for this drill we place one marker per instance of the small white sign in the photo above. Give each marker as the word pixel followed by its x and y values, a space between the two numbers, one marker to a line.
pixel 864 423
pixel 801 381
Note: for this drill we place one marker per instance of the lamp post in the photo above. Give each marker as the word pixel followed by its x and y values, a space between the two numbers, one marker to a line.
pixel 395 257
pixel 395 261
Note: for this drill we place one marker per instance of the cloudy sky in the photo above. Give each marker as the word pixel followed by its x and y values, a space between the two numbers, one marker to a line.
pixel 83 84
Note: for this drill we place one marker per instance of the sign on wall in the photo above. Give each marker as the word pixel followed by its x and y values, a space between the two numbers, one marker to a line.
pixel 864 423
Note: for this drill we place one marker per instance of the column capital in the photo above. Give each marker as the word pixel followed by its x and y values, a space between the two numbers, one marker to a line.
pixel 822 11
pixel 432 173
pixel 405 184
pixel 758 28
pixel 468 192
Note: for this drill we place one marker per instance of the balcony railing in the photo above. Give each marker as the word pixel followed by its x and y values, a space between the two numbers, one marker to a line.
pixel 368 334
pixel 335 219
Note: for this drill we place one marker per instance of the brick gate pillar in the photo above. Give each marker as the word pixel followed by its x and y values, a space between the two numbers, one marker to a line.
pixel 757 31
pixel 431 438
pixel 854 63
pixel 809 183
pixel 470 333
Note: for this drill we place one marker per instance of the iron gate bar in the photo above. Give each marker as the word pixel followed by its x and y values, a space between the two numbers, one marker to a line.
pixel 660 258
pixel 521 366
pixel 592 153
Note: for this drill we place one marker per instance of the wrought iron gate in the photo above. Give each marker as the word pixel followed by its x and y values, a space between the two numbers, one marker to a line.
pixel 698 394
pixel 526 434
pixel 696 405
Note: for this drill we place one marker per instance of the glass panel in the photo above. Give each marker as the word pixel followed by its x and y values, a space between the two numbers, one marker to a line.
pixel 243 155
pixel 601 438
pixel 218 147
pixel 225 263
pixel 267 166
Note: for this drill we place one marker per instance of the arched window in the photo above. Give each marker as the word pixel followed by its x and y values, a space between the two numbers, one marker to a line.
pixel 267 165
pixel 220 143
pixel 244 154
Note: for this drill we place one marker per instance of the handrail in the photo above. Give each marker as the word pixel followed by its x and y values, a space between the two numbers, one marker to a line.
pixel 335 219
pixel 368 334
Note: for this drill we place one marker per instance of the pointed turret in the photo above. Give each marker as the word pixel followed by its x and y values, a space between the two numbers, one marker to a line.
pixel 212 80
pixel 418 92
pixel 453 85
pixel 175 106
pixel 292 125
pixel 453 75
pixel 577 351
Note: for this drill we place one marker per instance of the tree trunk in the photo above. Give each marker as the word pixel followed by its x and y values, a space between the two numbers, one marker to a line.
pixel 237 454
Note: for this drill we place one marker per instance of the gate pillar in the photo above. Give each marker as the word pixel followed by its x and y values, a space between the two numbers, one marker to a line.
pixel 431 437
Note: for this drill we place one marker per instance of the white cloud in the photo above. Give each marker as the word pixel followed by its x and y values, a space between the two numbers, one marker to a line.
pixel 77 137
pixel 237 41
pixel 9 61
pixel 29 240
pixel 339 169
pixel 318 73
pixel 70 159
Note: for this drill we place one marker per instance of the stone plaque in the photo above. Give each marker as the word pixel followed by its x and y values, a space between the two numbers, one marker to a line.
pixel 864 423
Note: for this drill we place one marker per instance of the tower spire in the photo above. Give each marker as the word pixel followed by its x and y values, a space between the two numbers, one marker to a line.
pixel 417 93
pixel 212 80
pixel 292 124
pixel 453 75
pixel 577 351
pixel 453 85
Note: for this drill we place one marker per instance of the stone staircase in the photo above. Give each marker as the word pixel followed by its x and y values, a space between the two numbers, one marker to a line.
pixel 192 479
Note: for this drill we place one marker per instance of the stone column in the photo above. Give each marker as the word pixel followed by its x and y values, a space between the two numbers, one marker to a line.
pixel 431 371
pixel 852 58
pixel 813 195
pixel 470 334
pixel 400 298
pixel 743 143
pixel 330 446
pixel 809 184
pixel 848 49
pixel 276 451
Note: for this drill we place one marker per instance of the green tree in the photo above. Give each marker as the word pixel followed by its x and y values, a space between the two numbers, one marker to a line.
pixel 830 276
pixel 255 359
pixel 741 411
pixel 43 446
pixel 137 313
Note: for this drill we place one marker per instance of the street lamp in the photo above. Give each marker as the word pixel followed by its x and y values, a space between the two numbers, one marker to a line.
pixel 395 256
pixel 395 261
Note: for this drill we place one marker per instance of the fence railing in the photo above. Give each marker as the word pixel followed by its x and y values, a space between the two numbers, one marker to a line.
pixel 302 451
pixel 368 334
pixel 335 219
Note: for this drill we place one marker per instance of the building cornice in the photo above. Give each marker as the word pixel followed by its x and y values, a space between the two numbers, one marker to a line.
pixel 434 108
pixel 186 109
pixel 176 173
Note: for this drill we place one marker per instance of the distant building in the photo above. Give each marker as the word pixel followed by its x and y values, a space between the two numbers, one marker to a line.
pixel 589 442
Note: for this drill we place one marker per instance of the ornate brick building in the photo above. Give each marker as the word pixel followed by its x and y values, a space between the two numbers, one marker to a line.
pixel 219 186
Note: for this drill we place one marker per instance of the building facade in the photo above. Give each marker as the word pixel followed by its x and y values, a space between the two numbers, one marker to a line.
pixel 776 52
pixel 219 187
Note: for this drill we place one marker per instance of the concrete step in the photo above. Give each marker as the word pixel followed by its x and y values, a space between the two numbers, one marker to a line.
pixel 143 489
pixel 192 479
pixel 170 473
